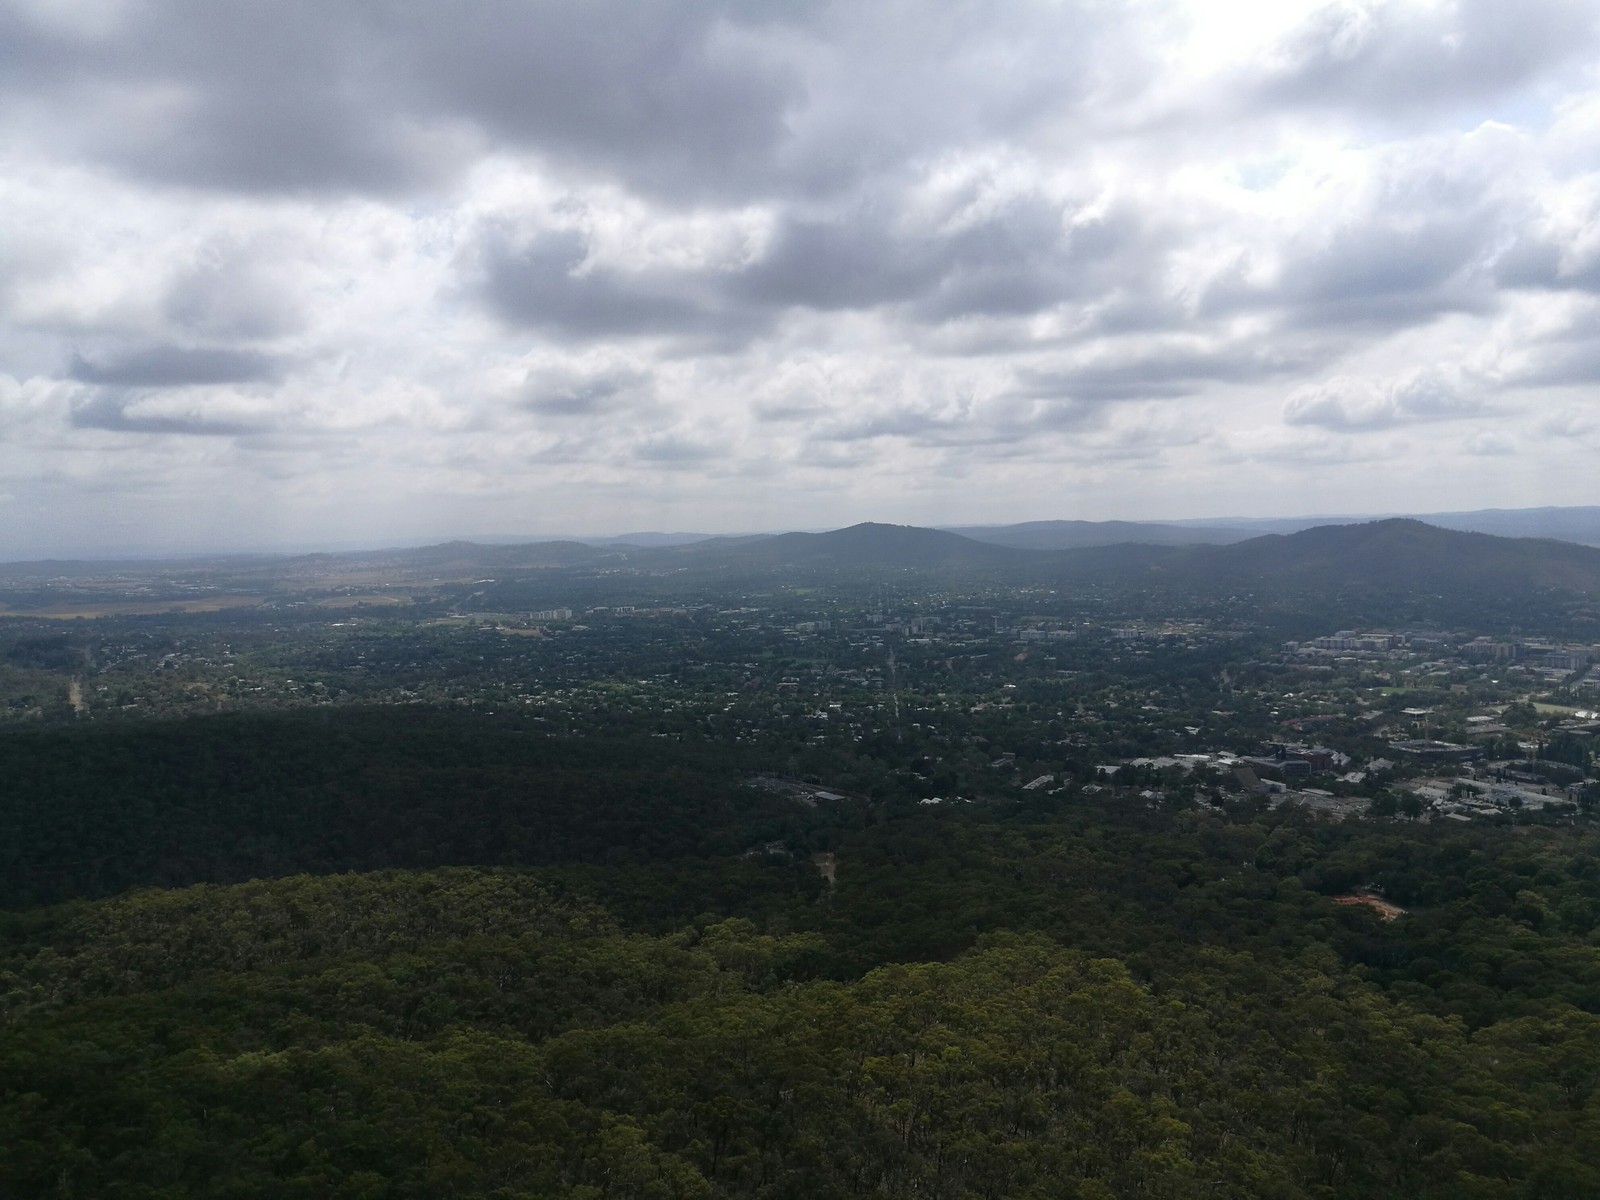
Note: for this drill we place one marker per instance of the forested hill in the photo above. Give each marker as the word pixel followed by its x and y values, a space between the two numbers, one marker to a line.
pixel 1397 556
pixel 1404 554
pixel 1073 535
pixel 1392 556
pixel 870 544
pixel 674 985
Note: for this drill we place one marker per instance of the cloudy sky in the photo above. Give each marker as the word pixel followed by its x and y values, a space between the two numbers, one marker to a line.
pixel 362 271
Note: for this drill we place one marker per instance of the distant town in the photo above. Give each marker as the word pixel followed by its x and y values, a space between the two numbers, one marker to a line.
pixel 925 684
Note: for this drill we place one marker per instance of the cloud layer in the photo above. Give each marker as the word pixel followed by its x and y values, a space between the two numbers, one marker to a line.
pixel 368 270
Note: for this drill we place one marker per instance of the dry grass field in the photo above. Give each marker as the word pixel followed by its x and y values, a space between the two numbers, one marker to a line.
pixel 132 608
pixel 372 598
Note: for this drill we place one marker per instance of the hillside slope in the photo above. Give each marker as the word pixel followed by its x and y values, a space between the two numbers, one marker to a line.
pixel 869 544
pixel 1074 535
pixel 1396 555
pixel 1407 554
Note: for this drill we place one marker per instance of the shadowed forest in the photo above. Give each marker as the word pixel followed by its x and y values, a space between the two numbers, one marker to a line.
pixel 489 962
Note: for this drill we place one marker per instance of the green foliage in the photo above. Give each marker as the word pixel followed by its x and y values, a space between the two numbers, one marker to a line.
pixel 150 940
pixel 1037 999
pixel 705 1064
pixel 95 810
pixel 1566 748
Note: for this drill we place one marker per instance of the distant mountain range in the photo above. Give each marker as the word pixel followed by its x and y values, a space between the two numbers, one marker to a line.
pixel 1395 554
pixel 646 539
pixel 869 544
pixel 1074 535
pixel 1580 524
pixel 1572 524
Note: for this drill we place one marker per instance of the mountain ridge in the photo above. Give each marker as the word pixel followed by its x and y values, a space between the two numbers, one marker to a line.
pixel 1396 553
pixel 868 543
pixel 1391 553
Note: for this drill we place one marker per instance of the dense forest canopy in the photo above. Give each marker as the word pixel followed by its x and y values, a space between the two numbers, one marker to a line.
pixel 528 965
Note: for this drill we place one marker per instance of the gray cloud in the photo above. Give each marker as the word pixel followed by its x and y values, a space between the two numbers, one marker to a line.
pixel 549 284
pixel 669 95
pixel 123 412
pixel 232 95
pixel 1354 406
pixel 1393 58
pixel 1538 260
pixel 285 141
pixel 982 427
pixel 1023 258
pixel 828 457
pixel 1389 275
pixel 1415 252
pixel 909 242
pixel 1159 373
pixel 1029 259
pixel 1018 261
pixel 233 295
pixel 900 422
pixel 673 451
pixel 687 99
pixel 383 96
pixel 560 393
pixel 1487 444
pixel 787 410
pixel 1571 361
pixel 175 366
pixel 837 264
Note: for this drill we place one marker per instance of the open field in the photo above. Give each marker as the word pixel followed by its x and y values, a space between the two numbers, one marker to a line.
pixel 372 598
pixel 131 608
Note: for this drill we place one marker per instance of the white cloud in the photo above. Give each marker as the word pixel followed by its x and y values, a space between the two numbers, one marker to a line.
pixel 375 269
pixel 1488 444
pixel 1348 404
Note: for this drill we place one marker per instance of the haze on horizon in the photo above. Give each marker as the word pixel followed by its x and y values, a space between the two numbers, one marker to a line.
pixel 371 273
